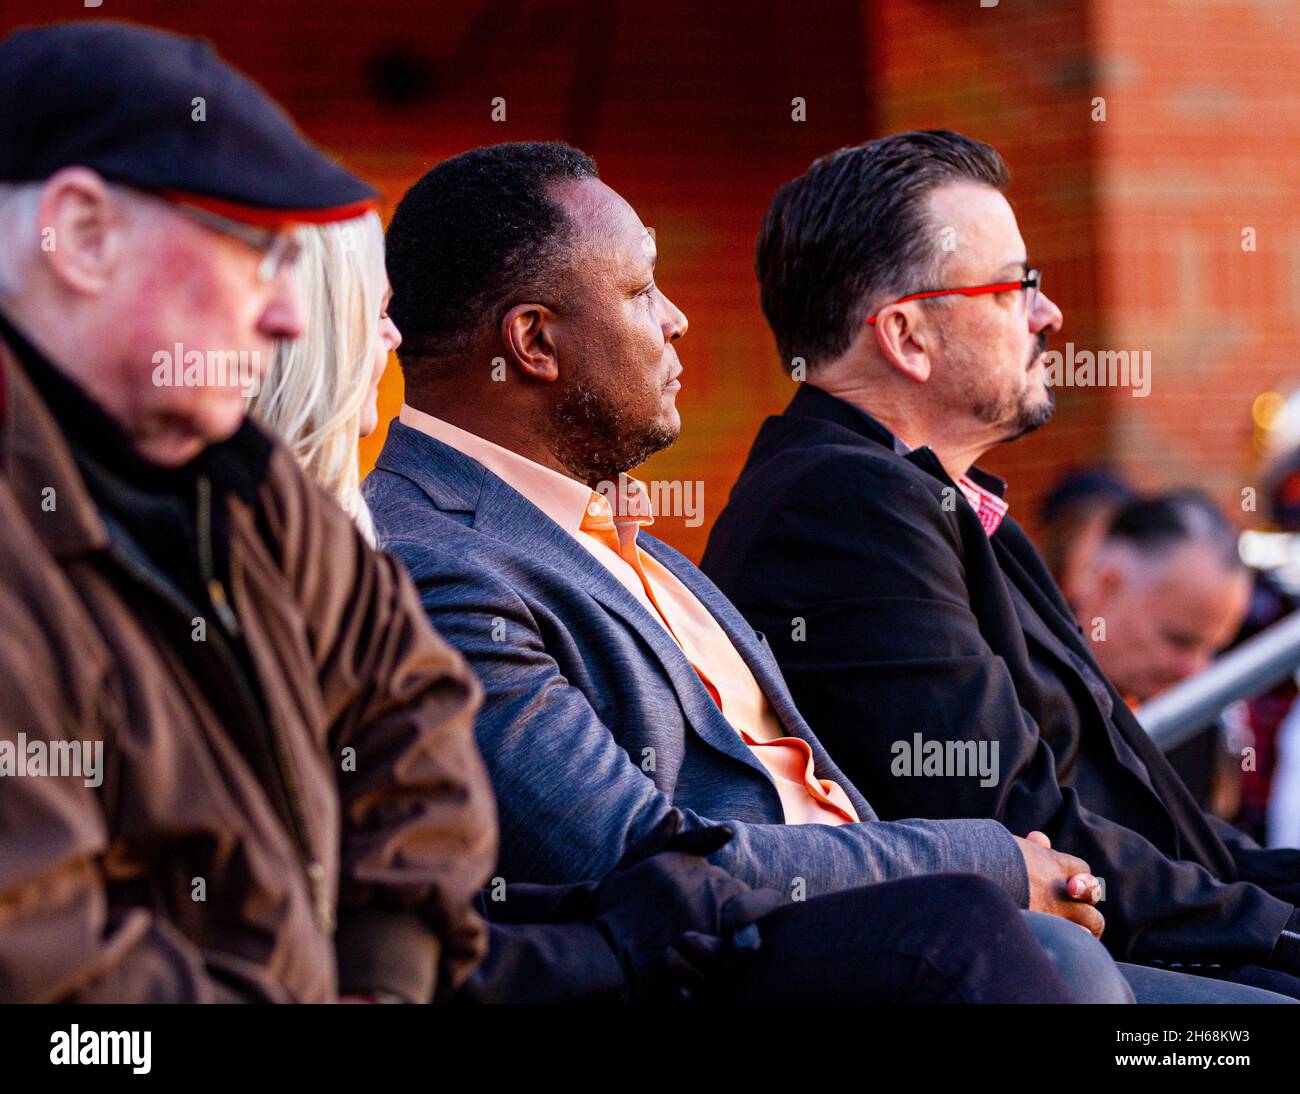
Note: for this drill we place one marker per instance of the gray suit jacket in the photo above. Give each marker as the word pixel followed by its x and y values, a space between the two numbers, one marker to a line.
pixel 594 723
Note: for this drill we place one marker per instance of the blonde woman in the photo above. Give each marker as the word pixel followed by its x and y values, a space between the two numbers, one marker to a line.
pixel 321 391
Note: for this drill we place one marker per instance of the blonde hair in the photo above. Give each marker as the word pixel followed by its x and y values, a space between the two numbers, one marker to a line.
pixel 314 390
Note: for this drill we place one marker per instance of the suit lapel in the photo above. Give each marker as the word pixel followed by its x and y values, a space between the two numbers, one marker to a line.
pixel 737 629
pixel 758 656
pixel 507 515
pixel 454 480
pixel 1056 640
pixel 1064 642
pixel 1014 559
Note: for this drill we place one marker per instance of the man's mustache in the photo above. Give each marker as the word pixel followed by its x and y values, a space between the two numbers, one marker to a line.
pixel 1040 347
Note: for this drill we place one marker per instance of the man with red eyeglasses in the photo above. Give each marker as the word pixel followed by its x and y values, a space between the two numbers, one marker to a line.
pixel 918 627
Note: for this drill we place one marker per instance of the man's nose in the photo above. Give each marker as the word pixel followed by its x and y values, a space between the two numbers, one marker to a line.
pixel 285 314
pixel 1047 316
pixel 675 323
pixel 393 336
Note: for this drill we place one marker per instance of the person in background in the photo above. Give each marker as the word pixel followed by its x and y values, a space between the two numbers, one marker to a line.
pixel 1073 519
pixel 320 394
pixel 1164 592
pixel 1283 811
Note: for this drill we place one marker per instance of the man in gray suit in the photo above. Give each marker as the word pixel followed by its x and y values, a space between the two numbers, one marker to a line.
pixel 540 366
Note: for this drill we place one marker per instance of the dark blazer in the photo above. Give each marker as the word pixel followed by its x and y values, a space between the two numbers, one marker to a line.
pixel 892 613
pixel 594 724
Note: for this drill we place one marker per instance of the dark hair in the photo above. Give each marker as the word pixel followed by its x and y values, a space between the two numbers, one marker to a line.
pixel 475 236
pixel 1156 525
pixel 1078 499
pixel 1084 489
pixel 852 230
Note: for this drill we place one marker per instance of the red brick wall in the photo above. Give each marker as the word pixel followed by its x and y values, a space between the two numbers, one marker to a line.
pixel 1021 78
pixel 1200 143
pixel 685 106
pixel 1135 220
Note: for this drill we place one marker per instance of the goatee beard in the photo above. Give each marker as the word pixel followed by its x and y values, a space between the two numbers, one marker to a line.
pixel 1023 416
pixel 592 437
pixel 1032 416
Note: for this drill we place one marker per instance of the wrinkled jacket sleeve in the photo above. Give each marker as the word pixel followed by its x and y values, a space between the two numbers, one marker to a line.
pixel 572 801
pixel 543 948
pixel 893 648
pixel 59 941
pixel 1276 869
pixel 418 818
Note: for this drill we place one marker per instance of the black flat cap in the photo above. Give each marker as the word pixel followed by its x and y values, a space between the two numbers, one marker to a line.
pixel 121 99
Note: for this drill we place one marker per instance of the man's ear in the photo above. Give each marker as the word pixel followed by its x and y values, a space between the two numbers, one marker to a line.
pixel 1106 577
pixel 80 225
pixel 527 331
pixel 904 340
pixel 1111 577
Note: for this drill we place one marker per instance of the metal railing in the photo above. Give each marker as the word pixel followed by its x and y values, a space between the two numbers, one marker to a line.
pixel 1249 670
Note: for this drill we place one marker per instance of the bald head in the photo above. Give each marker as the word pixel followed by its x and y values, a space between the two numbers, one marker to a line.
pixel 1165 593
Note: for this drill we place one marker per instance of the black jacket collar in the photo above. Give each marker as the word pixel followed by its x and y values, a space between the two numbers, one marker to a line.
pixel 813 402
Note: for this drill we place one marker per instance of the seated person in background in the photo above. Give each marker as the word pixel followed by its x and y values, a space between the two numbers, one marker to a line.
pixel 664 924
pixel 540 366
pixel 911 614
pixel 1072 521
pixel 1164 591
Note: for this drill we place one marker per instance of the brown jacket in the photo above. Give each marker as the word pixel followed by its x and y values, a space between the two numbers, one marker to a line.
pixel 178 877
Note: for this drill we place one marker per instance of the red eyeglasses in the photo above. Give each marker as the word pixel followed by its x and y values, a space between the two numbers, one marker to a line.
pixel 1032 280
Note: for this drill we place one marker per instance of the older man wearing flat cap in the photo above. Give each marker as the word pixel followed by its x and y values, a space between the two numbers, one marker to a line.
pixel 230 744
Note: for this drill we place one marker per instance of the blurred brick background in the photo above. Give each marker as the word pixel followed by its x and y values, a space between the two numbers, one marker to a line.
pixel 1137 220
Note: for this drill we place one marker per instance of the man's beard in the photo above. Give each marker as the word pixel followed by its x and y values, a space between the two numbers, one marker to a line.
pixel 1019 414
pixel 592 436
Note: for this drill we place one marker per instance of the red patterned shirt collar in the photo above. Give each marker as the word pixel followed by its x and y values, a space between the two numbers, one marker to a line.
pixel 982 490
pixel 989 507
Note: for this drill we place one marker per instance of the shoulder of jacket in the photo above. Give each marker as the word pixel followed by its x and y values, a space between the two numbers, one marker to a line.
pixel 870 476
pixel 439 544
pixel 50 641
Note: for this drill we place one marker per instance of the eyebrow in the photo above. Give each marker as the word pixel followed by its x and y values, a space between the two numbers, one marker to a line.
pixel 1021 264
pixel 654 257
pixel 637 280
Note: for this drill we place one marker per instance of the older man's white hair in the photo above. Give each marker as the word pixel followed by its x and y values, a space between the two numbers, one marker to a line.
pixel 20 236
